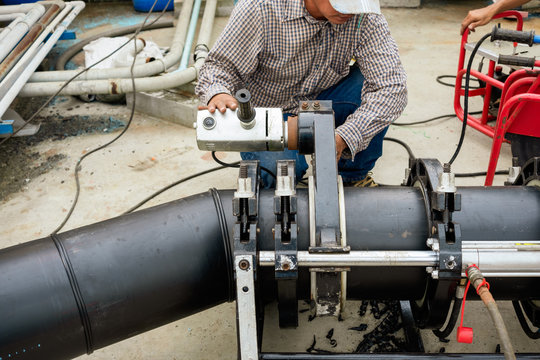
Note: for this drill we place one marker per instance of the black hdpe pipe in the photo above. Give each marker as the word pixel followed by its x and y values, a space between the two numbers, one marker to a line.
pixel 94 286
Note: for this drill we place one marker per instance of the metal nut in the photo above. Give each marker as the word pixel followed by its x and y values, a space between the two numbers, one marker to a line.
pixel 316 105
pixel 304 106
pixel 243 264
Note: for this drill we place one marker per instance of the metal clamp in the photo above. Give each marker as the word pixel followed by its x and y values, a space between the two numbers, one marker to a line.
pixel 286 244
pixel 316 136
pixel 444 238
pixel 246 209
pixel 246 319
pixel 444 201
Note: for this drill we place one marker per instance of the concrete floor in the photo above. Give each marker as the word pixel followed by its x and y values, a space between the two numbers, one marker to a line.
pixel 154 153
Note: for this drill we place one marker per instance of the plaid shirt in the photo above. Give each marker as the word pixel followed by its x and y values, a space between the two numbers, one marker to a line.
pixel 283 55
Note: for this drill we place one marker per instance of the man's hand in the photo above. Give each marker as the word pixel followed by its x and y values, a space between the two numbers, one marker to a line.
pixel 340 146
pixel 477 18
pixel 220 102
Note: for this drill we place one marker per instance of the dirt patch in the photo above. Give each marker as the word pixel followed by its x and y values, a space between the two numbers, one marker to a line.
pixel 21 161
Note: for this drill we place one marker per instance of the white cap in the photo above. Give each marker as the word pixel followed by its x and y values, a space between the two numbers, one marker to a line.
pixel 356 6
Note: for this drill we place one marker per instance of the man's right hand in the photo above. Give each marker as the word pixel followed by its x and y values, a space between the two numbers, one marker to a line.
pixel 220 102
pixel 477 18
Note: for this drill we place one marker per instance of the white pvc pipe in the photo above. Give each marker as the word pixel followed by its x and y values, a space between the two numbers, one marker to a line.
pixel 20 29
pixel 7 29
pixel 22 8
pixel 115 86
pixel 120 86
pixel 207 22
pixel 190 35
pixel 6 100
pixel 13 16
pixel 149 69
pixel 23 62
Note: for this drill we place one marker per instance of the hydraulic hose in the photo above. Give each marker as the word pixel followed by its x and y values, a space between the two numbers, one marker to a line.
pixel 87 288
pixel 482 288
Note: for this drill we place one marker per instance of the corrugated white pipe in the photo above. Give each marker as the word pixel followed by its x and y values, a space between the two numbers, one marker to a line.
pixel 20 29
pixel 120 86
pixel 149 69
pixel 6 100
pixel 23 62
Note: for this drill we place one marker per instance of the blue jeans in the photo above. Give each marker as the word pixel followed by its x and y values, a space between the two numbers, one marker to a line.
pixel 346 97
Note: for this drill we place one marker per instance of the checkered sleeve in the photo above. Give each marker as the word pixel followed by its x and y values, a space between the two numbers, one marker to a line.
pixel 234 55
pixel 384 94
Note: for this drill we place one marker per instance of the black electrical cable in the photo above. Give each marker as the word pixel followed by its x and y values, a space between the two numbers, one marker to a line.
pixel 523 322
pixel 412 157
pixel 236 165
pixel 440 77
pixel 402 143
pixel 451 324
pixel 481 173
pixel 78 165
pixel 147 199
pixel 466 97
pixel 431 119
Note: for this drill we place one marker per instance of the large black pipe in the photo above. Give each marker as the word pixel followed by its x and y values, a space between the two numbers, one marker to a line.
pixel 93 286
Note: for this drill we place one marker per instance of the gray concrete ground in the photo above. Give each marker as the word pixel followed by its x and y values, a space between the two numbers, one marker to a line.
pixel 154 153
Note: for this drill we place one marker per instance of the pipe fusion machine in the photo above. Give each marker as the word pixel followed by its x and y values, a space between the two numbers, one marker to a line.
pixel 419 243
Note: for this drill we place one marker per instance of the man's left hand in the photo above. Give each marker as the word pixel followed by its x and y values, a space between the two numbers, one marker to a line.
pixel 340 146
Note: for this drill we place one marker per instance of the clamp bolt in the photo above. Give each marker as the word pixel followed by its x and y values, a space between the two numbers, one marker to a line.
pixel 243 264
pixel 450 263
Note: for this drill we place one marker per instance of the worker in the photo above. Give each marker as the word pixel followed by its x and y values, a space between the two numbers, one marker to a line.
pixel 479 17
pixel 288 51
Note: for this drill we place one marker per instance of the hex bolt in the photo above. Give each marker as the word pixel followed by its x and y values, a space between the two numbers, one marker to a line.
pixel 209 123
pixel 243 264
pixel 304 106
